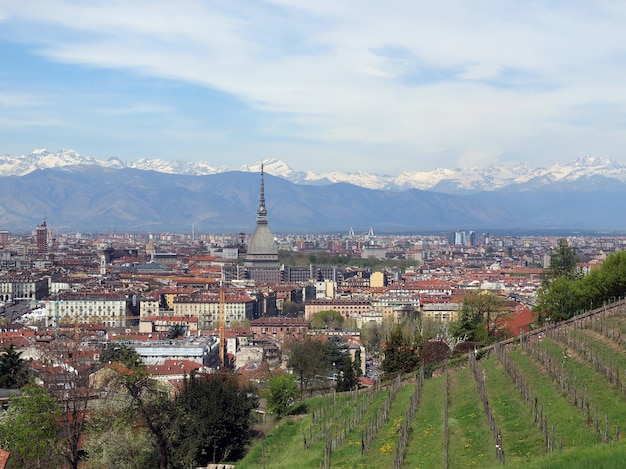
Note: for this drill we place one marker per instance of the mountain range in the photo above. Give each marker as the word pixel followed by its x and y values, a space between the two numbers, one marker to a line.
pixel 459 180
pixel 76 192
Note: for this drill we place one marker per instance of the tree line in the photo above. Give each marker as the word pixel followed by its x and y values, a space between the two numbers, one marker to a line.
pixel 137 422
pixel 566 291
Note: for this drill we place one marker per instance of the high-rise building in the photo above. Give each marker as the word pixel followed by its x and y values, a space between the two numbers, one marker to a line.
pixel 4 238
pixel 456 238
pixel 262 255
pixel 42 238
pixel 471 239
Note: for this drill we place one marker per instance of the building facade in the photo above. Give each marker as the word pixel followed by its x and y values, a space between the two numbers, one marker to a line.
pixel 21 287
pixel 206 307
pixel 107 308
pixel 42 238
pixel 347 308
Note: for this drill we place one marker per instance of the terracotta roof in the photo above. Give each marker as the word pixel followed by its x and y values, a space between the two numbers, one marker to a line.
pixel 174 367
pixel 517 322
pixel 4 457
pixel 16 341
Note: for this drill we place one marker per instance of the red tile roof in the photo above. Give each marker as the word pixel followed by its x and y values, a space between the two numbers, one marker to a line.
pixel 174 367
pixel 518 322
pixel 4 457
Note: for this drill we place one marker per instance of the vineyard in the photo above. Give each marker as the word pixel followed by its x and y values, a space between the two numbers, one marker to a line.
pixel 553 398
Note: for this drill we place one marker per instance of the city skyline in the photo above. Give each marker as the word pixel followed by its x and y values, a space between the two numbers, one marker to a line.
pixel 321 86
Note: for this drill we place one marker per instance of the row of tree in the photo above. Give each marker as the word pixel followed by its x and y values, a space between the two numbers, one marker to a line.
pixel 566 291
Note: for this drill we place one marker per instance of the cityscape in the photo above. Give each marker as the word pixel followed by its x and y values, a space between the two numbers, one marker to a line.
pixel 312 235
pixel 189 303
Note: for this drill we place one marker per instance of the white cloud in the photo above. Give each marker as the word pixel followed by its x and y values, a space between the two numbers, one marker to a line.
pixel 457 78
pixel 17 100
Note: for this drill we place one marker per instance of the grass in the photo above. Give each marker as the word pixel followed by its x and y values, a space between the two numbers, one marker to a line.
pixel 616 323
pixel 284 445
pixel 521 438
pixel 471 440
pixel 603 456
pixel 602 394
pixel 425 447
pixel 571 425
pixel 607 348
pixel 383 448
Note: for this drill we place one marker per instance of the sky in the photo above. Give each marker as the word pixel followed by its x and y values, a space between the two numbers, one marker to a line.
pixel 323 85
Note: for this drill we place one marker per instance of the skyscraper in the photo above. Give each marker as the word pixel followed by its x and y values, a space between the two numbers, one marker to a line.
pixel 42 238
pixel 262 256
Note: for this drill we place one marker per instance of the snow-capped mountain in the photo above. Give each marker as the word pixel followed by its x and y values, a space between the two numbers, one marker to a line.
pixel 43 159
pixel 459 180
pixel 76 192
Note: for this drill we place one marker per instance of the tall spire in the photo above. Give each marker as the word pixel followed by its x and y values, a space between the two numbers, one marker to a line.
pixel 261 218
pixel 262 254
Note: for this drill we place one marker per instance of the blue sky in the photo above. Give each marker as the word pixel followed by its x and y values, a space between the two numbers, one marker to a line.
pixel 361 85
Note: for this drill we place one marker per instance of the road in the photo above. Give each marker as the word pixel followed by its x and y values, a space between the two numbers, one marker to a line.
pixel 13 311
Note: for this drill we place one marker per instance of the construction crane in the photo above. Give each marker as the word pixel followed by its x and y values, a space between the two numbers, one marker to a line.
pixel 222 329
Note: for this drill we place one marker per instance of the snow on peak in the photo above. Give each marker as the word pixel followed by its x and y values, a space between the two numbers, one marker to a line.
pixel 590 161
pixel 439 179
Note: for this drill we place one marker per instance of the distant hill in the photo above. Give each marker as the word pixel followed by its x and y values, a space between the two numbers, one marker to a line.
pixel 92 197
pixel 95 198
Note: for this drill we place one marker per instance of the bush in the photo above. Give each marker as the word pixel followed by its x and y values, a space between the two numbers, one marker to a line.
pixel 435 351
pixel 463 348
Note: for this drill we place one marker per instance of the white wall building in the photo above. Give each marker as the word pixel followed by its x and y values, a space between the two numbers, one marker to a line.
pixel 106 308
pixel 207 309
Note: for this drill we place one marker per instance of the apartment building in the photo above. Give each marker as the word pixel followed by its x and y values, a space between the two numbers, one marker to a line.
pixel 279 329
pixel 206 307
pixel 110 309
pixel 347 307
pixel 23 287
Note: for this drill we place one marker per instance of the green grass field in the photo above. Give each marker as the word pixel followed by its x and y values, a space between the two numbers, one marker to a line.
pixel 471 442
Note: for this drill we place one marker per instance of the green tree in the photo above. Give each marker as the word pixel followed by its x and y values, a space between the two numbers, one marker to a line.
pixel 477 316
pixel 114 440
pixel 29 430
pixel 563 261
pixel 151 406
pixel 401 355
pixel 308 359
pixel 327 320
pixel 346 379
pixel 67 378
pixel 282 391
pixel 13 370
pixel 558 299
pixel 606 282
pixel 176 330
pixel 215 418
pixel 372 336
pixel 123 354
pixel 564 296
pixel 358 372
pixel 292 309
